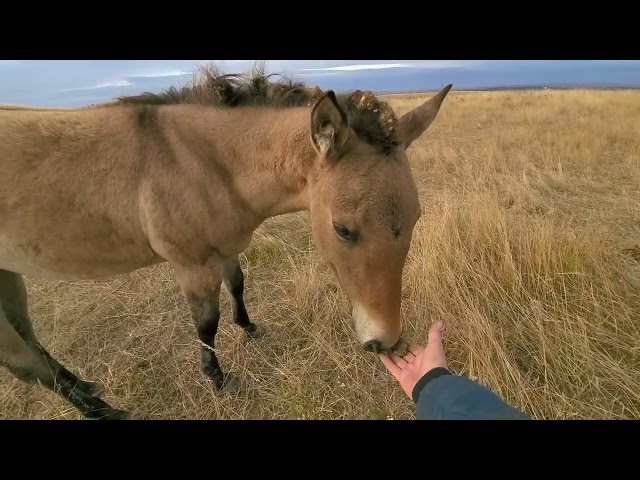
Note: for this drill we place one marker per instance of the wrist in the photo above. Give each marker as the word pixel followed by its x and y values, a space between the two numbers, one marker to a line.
pixel 426 378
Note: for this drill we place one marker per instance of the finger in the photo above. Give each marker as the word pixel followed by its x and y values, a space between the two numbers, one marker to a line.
pixel 416 349
pixel 435 347
pixel 399 361
pixel 391 366
pixel 435 333
pixel 409 357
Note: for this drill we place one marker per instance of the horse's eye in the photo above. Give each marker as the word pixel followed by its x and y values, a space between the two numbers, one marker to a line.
pixel 344 233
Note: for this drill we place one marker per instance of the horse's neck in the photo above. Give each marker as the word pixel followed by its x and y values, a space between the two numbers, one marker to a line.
pixel 267 153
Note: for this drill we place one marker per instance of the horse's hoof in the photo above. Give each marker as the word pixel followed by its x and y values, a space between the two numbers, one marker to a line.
pixel 116 414
pixel 223 382
pixel 112 414
pixel 93 389
pixel 256 332
pixel 230 385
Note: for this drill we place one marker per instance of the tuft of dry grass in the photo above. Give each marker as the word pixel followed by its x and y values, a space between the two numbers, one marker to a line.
pixel 528 249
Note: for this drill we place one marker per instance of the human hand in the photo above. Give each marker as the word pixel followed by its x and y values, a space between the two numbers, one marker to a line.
pixel 418 360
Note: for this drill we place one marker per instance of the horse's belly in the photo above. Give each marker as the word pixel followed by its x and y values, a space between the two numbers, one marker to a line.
pixel 33 260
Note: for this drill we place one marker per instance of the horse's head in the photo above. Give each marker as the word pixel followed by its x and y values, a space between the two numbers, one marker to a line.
pixel 364 204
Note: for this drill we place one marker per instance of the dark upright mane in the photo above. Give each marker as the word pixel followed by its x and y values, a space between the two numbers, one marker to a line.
pixel 373 120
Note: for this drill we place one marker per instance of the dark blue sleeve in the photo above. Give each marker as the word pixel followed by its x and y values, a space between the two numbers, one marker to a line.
pixel 439 395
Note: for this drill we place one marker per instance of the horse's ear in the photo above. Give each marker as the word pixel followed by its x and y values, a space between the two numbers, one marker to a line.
pixel 413 124
pixel 329 127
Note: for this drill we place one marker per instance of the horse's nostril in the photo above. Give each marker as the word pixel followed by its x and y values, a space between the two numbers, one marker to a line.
pixel 373 346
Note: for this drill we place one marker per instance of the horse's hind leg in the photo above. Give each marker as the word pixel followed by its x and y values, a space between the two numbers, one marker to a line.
pixel 234 283
pixel 23 355
pixel 29 365
pixel 13 299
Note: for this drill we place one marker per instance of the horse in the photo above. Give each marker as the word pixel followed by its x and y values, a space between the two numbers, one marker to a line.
pixel 186 176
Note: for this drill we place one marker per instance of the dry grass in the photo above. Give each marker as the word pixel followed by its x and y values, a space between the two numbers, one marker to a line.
pixel 528 249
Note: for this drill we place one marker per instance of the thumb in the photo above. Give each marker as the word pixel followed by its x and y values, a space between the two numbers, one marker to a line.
pixel 435 335
pixel 435 356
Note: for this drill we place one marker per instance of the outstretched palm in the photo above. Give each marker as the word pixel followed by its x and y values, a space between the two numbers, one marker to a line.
pixel 418 360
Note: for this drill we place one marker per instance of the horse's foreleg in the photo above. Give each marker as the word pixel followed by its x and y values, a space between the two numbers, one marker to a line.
pixel 234 283
pixel 201 287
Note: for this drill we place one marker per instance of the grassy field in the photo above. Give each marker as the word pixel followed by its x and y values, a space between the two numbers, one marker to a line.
pixel 528 249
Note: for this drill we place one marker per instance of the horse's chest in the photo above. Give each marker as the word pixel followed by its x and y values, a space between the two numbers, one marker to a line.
pixel 232 238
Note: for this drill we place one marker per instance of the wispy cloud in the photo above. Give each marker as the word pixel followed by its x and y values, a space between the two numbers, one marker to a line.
pixel 423 64
pixel 352 68
pixel 117 83
pixel 130 80
pixel 168 73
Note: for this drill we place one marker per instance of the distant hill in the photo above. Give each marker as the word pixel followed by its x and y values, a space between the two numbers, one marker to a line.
pixel 426 80
pixel 498 88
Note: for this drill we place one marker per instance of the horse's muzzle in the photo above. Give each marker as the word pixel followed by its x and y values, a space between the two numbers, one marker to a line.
pixel 373 346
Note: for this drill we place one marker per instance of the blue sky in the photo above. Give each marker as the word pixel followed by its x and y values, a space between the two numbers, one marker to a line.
pixel 82 82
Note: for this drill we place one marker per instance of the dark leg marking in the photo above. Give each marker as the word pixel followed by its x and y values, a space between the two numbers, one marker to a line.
pixel 27 360
pixel 88 387
pixel 233 278
pixel 27 364
pixel 206 317
pixel 13 300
